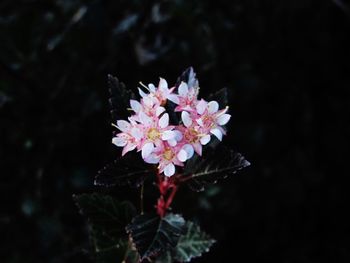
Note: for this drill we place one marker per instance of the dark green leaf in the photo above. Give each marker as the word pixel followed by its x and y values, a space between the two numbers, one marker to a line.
pixel 192 244
pixel 217 163
pixel 107 219
pixel 129 169
pixel 221 96
pixel 119 100
pixel 153 235
pixel 188 76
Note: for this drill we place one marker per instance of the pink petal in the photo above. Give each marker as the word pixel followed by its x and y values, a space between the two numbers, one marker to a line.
pixel 198 148
pixel 223 119
pixel 168 135
pixel 183 89
pixel 151 87
pixel 186 118
pixel 118 141
pixel 163 85
pixel 217 133
pixel 164 121
pixel 159 110
pixel 152 158
pixel 213 106
pixel 129 147
pixel 144 119
pixel 169 170
pixel 201 106
pixel 174 98
pixel 136 133
pixel 205 139
pixel 147 149
pixel 178 135
pixel 172 142
pixel 142 94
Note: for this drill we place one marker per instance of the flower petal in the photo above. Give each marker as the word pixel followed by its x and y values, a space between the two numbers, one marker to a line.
pixel 205 139
pixel 159 110
pixel 213 106
pixel 118 141
pixel 168 135
pixel 123 125
pixel 182 155
pixel 164 121
pixel 163 85
pixel 152 88
pixel 142 94
pixel 186 118
pixel 147 149
pixel 147 101
pixel 169 170
pixel 201 106
pixel 223 119
pixel 129 147
pixel 217 133
pixel 172 142
pixel 198 148
pixel 152 158
pixel 178 135
pixel 183 89
pixel 135 105
pixel 174 98
pixel 136 133
pixel 144 119
pixel 189 150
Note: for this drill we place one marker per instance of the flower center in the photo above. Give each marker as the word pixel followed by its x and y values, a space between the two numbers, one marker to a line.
pixel 168 154
pixel 191 135
pixel 153 134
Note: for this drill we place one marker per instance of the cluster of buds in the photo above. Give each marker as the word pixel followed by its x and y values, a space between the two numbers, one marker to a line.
pixel 148 130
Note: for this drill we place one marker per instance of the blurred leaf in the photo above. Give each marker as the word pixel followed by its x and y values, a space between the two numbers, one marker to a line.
pixel 127 170
pixel 221 96
pixel 152 234
pixel 107 219
pixel 188 76
pixel 119 100
pixel 217 163
pixel 192 244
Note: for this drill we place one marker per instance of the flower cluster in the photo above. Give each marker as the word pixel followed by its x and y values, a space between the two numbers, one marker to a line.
pixel 148 130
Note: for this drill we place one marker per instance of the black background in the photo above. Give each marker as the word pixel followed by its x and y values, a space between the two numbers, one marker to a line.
pixel 286 64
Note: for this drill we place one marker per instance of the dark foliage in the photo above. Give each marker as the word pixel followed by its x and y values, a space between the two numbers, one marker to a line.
pixel 286 65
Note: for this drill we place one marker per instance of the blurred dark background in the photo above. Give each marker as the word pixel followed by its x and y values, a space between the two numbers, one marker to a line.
pixel 286 64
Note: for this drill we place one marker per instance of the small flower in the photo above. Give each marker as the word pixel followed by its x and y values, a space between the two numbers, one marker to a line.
pixel 161 94
pixel 211 118
pixel 129 138
pixel 187 97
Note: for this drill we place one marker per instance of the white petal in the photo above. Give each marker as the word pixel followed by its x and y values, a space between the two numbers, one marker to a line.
pixel 202 104
pixel 146 120
pixel 223 119
pixel 172 142
pixel 148 101
pixel 186 118
pixel 189 150
pixel 147 149
pixel 142 94
pixel 183 89
pixel 174 98
pixel 159 110
pixel 169 170
pixel 205 139
pixel 129 147
pixel 136 133
pixel 120 142
pixel 123 125
pixel 164 121
pixel 182 155
pixel 168 135
pixel 178 135
pixel 217 133
pixel 152 158
pixel 135 105
pixel 200 122
pixel 151 87
pixel 213 106
pixel 163 85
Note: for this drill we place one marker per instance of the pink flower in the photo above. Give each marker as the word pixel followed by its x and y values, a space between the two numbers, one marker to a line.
pixel 129 138
pixel 187 97
pixel 168 156
pixel 161 94
pixel 211 118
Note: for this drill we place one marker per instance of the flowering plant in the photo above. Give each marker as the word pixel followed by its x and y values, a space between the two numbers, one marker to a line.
pixel 177 136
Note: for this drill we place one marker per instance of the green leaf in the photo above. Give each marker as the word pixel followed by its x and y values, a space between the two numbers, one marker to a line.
pixel 153 235
pixel 127 170
pixel 192 244
pixel 216 163
pixel 107 219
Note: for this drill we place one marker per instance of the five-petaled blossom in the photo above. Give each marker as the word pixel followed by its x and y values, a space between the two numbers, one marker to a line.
pixel 148 130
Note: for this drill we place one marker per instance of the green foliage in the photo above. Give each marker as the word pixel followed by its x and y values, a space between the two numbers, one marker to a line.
pixel 153 235
pixel 107 219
